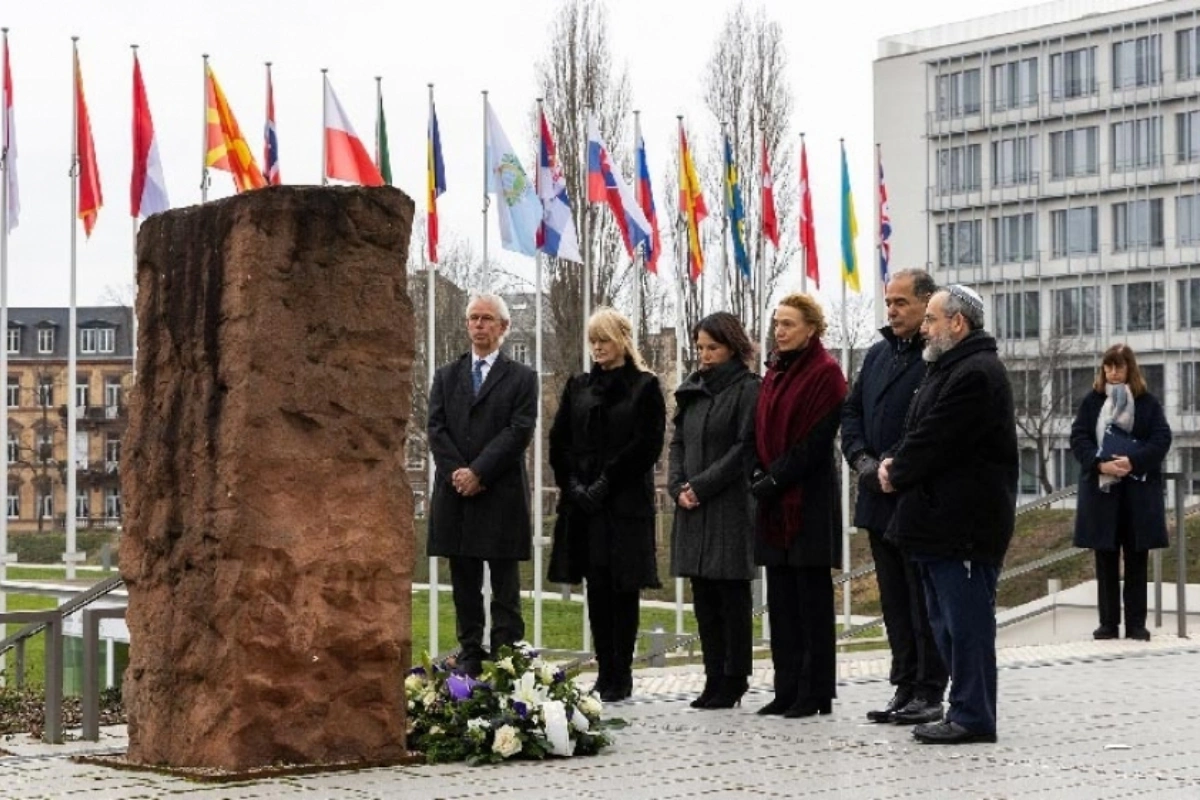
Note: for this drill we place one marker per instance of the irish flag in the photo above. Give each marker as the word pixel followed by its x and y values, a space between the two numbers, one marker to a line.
pixel 346 159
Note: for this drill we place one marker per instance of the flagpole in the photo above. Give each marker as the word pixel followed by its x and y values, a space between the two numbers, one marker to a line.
pixel 722 288
pixel 324 116
pixel 762 248
pixel 69 555
pixel 430 369
pixel 846 368
pixel 638 263
pixel 803 246
pixel 379 123
pixel 681 267
pixel 204 177
pixel 585 217
pixel 487 272
pixel 5 166
pixel 133 300
pixel 539 524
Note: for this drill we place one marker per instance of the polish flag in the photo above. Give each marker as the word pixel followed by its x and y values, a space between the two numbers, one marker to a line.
pixel 148 193
pixel 346 159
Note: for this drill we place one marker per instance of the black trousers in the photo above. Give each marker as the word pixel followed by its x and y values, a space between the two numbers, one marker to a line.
pixel 724 616
pixel 916 664
pixel 466 577
pixel 1108 583
pixel 803 637
pixel 614 619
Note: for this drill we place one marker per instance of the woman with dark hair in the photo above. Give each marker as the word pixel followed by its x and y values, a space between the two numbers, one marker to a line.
pixel 799 533
pixel 1120 437
pixel 606 437
pixel 711 541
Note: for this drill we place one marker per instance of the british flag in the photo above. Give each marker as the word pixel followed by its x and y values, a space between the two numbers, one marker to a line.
pixel 885 228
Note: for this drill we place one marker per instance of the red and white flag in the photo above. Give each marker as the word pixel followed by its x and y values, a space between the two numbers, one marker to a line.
pixel 808 229
pixel 147 189
pixel 88 182
pixel 346 159
pixel 770 222
pixel 8 145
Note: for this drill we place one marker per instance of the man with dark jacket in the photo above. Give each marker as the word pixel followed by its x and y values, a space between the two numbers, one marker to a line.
pixel 872 421
pixel 482 410
pixel 955 471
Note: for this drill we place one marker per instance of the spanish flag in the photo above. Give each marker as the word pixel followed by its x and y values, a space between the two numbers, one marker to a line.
pixel 691 206
pixel 227 148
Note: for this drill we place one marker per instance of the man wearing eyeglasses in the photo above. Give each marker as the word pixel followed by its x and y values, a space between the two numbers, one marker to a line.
pixel 482 410
pixel 955 473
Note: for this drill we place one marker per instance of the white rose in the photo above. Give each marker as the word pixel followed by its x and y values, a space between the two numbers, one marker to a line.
pixel 429 698
pixel 414 684
pixel 506 664
pixel 436 730
pixel 507 742
pixel 590 705
pixel 547 673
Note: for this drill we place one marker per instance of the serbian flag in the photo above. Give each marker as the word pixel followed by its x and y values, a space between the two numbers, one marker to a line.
pixel 605 185
pixel 8 144
pixel 556 236
pixel 90 197
pixel 435 180
pixel 227 147
pixel 346 158
pixel 691 206
pixel 147 189
pixel 808 230
pixel 270 140
pixel 645 197
pixel 770 222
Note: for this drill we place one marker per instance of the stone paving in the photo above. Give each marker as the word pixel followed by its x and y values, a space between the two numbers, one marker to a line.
pixel 1085 720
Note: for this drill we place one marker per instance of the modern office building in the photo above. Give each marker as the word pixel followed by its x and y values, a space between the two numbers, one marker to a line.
pixel 1050 158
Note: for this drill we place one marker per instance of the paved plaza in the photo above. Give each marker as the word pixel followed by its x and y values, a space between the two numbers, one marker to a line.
pixel 1083 720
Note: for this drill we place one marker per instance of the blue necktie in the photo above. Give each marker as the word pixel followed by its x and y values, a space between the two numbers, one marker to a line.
pixel 477 376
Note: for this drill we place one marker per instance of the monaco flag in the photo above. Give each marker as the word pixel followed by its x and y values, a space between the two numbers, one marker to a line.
pixel 346 159
pixel 147 189
pixel 8 144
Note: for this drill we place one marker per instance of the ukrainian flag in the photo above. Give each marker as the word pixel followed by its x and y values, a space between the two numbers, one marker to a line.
pixel 849 229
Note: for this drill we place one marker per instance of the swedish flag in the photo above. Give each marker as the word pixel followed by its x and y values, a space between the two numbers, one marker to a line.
pixel 736 212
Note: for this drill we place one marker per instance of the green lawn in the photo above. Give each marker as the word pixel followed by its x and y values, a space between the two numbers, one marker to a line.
pixel 35 648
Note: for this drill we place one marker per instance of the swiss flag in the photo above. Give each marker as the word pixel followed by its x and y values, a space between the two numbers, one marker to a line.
pixel 346 159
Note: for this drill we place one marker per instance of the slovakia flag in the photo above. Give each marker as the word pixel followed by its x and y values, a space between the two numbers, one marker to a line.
pixel 605 185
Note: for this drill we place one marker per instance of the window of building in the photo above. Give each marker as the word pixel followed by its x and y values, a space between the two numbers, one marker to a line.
pixel 1187 220
pixel 112 503
pixel 1189 463
pixel 958 94
pixel 14 340
pixel 1027 392
pixel 1136 144
pixel 1187 136
pixel 14 506
pixel 1137 62
pixel 960 243
pixel 14 391
pixel 81 449
pixel 45 504
pixel 1015 84
pixel 1073 74
pixel 1189 303
pixel 1017 315
pixel 81 395
pixel 1075 153
pixel 1077 311
pixel 1070 386
pixel 1155 375
pixel 414 454
pixel 1066 467
pixel 1013 238
pixel 97 340
pixel 519 352
pixel 1029 471
pixel 45 340
pixel 14 447
pixel 1138 307
pixel 112 396
pixel 45 445
pixel 112 452
pixel 82 504
pixel 45 391
pixel 1187 54
pixel 959 169
pixel 1014 161
pixel 1189 385
pixel 1075 231
pixel 1138 224
pixel 106 340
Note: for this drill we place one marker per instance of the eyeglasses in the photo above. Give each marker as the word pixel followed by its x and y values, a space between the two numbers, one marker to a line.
pixel 484 318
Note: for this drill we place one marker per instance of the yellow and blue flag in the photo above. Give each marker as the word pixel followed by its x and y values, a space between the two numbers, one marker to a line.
pixel 736 212
pixel 849 229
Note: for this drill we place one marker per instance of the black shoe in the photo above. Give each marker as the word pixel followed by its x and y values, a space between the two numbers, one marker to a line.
pixel 1141 634
pixel 1106 632
pixel 729 693
pixel 620 689
pixel 899 700
pixel 465 665
pixel 949 733
pixel 918 711
pixel 711 682
pixel 808 707
pixel 776 707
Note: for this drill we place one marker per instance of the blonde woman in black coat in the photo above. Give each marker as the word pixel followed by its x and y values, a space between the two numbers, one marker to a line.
pixel 606 438
pixel 711 542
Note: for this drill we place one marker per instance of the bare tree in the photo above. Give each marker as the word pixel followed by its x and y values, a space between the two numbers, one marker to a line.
pixel 1044 392
pixel 854 329
pixel 577 77
pixel 747 93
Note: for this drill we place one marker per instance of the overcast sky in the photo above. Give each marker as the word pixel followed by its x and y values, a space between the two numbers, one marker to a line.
pixel 462 47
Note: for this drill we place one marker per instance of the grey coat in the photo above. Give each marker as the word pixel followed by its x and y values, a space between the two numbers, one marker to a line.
pixel 489 434
pixel 714 434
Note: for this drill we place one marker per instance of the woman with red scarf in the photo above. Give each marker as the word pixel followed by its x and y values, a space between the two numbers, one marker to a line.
pixel 799 530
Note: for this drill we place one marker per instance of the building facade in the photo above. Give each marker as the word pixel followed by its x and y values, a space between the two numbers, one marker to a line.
pixel 37 397
pixel 1050 158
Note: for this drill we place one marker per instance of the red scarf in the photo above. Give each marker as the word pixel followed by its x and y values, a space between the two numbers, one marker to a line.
pixel 797 393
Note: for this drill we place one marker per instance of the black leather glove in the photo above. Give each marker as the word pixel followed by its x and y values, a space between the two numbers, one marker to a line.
pixel 867 467
pixel 763 485
pixel 579 497
pixel 597 493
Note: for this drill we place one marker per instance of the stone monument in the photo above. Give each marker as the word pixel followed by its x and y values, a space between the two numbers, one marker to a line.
pixel 268 543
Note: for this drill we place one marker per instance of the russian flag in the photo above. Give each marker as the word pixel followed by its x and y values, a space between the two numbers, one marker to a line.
pixel 605 185
pixel 556 235
pixel 645 196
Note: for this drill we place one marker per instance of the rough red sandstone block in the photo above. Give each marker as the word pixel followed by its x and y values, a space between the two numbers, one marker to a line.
pixel 268 541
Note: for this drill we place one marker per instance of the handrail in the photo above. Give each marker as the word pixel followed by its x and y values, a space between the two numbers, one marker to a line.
pixel 68 607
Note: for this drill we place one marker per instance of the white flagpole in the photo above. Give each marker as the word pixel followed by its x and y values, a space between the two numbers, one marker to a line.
pixel 584 217
pixel 72 332
pixel 639 257
pixel 487 270
pixel 4 167
pixel 132 300
pixel 430 369
pixel 763 297
pixel 378 122
pixel 722 288
pixel 803 249
pixel 846 467
pixel 539 517
pixel 324 116
pixel 682 268
pixel 205 180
